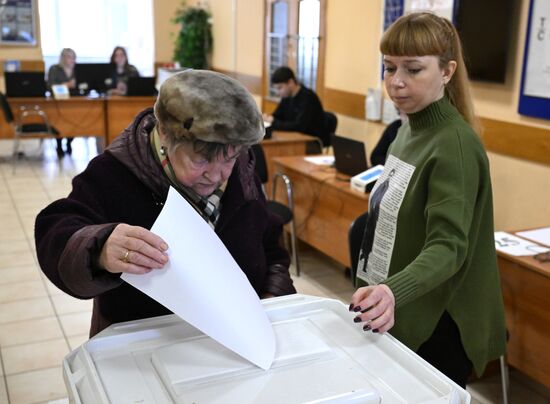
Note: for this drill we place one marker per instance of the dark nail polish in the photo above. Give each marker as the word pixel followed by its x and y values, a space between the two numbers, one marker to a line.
pixel 367 309
pixel 357 319
pixel 366 327
pixel 375 330
pixel 357 308
pixel 351 307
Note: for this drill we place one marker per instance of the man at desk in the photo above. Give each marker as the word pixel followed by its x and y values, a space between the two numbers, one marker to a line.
pixel 300 109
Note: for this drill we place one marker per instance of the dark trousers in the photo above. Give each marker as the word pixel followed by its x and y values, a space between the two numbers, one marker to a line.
pixel 69 141
pixel 444 351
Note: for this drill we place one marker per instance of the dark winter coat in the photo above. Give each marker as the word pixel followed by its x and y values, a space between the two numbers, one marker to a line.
pixel 125 184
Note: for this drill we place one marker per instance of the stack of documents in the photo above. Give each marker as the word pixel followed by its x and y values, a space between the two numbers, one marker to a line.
pixel 518 246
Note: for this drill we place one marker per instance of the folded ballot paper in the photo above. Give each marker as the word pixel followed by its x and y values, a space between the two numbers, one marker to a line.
pixel 203 285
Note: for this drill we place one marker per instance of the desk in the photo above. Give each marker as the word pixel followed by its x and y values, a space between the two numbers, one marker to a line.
pixel 76 116
pixel 82 116
pixel 120 111
pixel 526 290
pixel 324 205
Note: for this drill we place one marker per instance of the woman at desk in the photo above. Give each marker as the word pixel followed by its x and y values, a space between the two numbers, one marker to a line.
pixel 431 277
pixel 63 73
pixel 122 71
pixel 196 140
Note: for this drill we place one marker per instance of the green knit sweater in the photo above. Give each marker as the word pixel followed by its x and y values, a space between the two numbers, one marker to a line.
pixel 434 243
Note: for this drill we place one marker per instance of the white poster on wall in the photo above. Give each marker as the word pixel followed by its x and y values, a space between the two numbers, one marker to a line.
pixel 443 8
pixel 537 74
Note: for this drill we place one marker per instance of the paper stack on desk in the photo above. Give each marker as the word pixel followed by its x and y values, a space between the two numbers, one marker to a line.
pixel 517 246
pixel 541 236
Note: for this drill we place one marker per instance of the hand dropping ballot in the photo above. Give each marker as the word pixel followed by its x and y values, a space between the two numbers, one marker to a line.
pixel 203 285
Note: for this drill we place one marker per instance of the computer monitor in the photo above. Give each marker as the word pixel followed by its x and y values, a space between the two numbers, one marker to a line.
pixel 25 84
pixel 94 76
pixel 350 157
pixel 143 86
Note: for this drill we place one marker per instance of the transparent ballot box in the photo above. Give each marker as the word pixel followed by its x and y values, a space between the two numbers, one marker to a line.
pixel 321 357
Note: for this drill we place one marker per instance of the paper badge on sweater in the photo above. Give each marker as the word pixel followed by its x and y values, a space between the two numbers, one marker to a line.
pixel 203 284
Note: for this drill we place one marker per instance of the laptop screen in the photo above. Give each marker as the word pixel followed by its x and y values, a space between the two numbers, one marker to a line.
pixel 350 157
pixel 25 84
pixel 141 86
pixel 94 76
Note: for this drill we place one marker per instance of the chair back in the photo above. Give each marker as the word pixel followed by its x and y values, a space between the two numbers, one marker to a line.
pixel 6 109
pixel 331 122
pixel 261 164
pixel 355 237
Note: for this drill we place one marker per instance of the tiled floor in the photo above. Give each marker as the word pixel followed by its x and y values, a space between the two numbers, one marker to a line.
pixel 39 324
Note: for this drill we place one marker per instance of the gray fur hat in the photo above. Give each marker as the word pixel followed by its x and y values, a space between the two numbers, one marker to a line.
pixel 208 106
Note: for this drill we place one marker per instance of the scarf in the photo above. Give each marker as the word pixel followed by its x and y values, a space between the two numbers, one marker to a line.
pixel 208 207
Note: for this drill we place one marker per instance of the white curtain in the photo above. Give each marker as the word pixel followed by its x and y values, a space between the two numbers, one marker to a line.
pixel 94 27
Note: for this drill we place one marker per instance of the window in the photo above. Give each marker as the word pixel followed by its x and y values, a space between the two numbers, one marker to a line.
pixel 94 28
pixel 293 36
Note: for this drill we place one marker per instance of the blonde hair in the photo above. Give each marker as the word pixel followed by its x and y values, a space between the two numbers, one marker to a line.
pixel 64 52
pixel 422 34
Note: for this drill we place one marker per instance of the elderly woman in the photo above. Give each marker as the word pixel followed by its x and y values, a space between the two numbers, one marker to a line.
pixel 197 140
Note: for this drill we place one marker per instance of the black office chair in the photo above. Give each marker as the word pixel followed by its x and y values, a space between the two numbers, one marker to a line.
pixel 286 212
pixel 355 237
pixel 23 130
pixel 331 123
pixel 323 141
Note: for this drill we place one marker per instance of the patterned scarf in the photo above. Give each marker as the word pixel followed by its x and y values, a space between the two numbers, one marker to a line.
pixel 209 208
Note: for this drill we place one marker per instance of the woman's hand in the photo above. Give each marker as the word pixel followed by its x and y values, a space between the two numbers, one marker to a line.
pixel 133 249
pixel 375 306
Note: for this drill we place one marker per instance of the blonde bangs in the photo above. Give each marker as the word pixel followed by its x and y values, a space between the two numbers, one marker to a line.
pixel 412 37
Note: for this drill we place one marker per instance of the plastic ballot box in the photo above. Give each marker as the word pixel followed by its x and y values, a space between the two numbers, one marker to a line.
pixel 321 356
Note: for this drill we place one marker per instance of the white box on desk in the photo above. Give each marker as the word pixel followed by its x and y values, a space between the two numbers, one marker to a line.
pixel 364 181
pixel 322 357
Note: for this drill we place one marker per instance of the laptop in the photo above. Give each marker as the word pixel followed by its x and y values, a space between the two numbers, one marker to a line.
pixel 350 157
pixel 92 76
pixel 25 84
pixel 141 86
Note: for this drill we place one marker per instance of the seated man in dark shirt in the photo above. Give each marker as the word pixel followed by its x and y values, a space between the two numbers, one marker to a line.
pixel 300 109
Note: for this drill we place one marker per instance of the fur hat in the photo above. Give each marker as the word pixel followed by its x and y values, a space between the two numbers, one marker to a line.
pixel 208 106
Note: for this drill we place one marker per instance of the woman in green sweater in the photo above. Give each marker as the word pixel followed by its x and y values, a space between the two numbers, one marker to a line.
pixel 430 267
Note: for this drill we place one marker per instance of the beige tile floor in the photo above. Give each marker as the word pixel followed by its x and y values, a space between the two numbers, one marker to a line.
pixel 39 324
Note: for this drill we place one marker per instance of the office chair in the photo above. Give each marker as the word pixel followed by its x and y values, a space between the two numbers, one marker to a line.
pixel 331 123
pixel 286 212
pixel 323 142
pixel 355 237
pixel 23 130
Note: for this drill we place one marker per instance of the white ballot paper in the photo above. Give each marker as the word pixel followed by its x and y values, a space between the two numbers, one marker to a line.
pixel 512 245
pixel 203 284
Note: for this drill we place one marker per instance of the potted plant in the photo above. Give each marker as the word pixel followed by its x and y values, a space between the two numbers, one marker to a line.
pixel 194 41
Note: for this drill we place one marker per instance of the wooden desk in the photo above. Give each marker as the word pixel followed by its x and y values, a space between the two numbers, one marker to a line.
pixel 76 116
pixel 121 111
pixel 82 116
pixel 526 289
pixel 324 205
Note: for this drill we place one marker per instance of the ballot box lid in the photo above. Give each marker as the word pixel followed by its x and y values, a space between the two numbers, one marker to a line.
pixel 321 356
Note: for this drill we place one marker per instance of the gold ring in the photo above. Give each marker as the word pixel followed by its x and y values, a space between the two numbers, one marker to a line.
pixel 125 257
